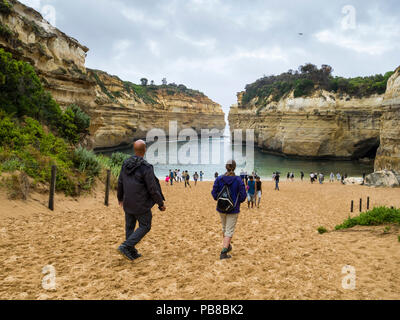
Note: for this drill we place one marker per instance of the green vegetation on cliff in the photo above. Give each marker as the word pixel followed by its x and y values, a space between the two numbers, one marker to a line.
pixel 35 133
pixel 309 78
pixel 5 7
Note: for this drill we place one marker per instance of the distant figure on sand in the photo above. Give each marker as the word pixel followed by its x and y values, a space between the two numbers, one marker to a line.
pixel 258 191
pixel 229 209
pixel 187 179
pixel 276 179
pixel 195 178
pixel 251 192
pixel 332 177
pixel 302 176
pixel 138 191
pixel 201 175
pixel 171 177
pixel 167 180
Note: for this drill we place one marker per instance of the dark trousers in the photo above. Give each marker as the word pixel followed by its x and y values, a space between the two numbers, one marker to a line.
pixel 133 236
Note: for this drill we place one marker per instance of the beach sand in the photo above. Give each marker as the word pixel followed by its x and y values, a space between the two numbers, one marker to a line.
pixel 277 251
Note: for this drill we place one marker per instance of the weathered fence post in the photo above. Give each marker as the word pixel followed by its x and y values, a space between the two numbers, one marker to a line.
pixel 52 187
pixel 368 203
pixel 352 206
pixel 361 205
pixel 106 201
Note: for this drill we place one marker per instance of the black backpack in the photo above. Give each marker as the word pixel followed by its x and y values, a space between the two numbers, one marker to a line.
pixel 224 201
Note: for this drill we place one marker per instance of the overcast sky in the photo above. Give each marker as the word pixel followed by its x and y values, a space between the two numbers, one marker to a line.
pixel 219 46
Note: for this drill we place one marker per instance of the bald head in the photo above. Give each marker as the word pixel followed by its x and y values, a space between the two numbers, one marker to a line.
pixel 139 148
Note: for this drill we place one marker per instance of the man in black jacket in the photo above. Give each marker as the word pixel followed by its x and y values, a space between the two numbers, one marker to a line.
pixel 138 191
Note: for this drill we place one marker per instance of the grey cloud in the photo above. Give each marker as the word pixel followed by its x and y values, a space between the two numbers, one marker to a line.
pixel 218 46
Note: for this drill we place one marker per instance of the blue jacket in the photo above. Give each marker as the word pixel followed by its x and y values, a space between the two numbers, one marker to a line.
pixel 236 187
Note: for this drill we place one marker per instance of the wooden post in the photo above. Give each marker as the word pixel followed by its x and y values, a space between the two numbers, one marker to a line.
pixel 352 206
pixel 52 187
pixel 106 201
pixel 368 203
pixel 360 205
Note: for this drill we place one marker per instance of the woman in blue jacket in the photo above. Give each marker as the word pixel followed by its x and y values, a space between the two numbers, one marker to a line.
pixel 238 193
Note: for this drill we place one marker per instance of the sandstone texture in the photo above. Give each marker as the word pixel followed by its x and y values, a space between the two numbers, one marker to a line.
pixel 388 155
pixel 323 125
pixel 119 114
pixel 384 178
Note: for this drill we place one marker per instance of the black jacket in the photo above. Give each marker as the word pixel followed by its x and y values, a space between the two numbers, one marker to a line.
pixel 138 187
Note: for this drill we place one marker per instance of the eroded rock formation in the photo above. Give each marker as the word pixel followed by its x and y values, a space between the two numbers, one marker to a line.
pixel 118 112
pixel 388 156
pixel 324 125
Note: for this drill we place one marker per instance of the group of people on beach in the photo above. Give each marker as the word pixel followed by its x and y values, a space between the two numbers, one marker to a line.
pixel 253 186
pixel 139 190
pixel 179 176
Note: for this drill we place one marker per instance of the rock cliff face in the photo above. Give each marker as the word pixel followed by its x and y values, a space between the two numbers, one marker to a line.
pixel 119 111
pixel 323 125
pixel 388 156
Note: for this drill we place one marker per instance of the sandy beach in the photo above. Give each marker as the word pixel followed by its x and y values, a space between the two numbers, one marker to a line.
pixel 277 251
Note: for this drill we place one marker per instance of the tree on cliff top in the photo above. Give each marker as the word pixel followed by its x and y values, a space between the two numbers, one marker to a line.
pixel 144 82
pixel 309 78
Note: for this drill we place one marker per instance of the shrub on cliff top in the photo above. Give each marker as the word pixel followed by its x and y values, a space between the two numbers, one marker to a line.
pixel 5 7
pixel 308 78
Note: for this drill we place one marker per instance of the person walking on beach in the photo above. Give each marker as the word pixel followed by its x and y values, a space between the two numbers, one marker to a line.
pixel 201 176
pixel 228 209
pixel 167 180
pixel 302 176
pixel 258 191
pixel 321 178
pixel 251 192
pixel 171 177
pixel 339 177
pixel 195 178
pixel 312 176
pixel 138 191
pixel 277 178
pixel 187 179
pixel 332 177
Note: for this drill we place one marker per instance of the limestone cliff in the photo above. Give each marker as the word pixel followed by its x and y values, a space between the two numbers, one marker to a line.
pixel 119 113
pixel 323 125
pixel 388 155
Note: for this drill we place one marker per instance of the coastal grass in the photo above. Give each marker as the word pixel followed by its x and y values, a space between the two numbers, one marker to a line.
pixel 322 230
pixel 375 217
